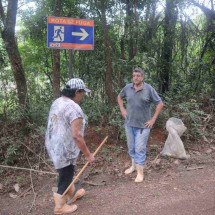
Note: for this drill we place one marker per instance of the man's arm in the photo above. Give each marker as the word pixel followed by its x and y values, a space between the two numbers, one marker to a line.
pixel 158 109
pixel 121 106
pixel 76 127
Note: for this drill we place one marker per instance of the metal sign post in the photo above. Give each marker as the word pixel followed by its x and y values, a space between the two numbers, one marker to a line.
pixel 70 63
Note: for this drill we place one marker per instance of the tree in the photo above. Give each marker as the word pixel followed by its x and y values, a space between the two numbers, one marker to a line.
pixel 168 44
pixel 7 28
pixel 56 57
pixel 209 44
pixel 101 8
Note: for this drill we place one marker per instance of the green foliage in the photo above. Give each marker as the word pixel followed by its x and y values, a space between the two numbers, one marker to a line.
pixel 192 78
pixel 11 154
pixel 10 149
pixel 16 145
pixel 96 110
pixel 105 152
pixel 189 111
pixel 110 151
pixel 116 119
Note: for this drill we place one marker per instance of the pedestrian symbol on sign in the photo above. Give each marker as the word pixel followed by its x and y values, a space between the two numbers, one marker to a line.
pixel 58 34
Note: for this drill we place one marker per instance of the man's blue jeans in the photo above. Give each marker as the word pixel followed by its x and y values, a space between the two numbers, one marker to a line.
pixel 137 139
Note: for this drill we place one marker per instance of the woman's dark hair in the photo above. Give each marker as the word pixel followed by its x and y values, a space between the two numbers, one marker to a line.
pixel 68 92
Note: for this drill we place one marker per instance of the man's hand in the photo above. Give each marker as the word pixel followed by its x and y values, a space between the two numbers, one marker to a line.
pixel 150 123
pixel 124 113
pixel 122 109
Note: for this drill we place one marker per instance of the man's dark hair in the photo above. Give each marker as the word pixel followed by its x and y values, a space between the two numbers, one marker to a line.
pixel 137 69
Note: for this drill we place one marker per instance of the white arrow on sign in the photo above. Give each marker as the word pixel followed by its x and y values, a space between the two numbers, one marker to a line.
pixel 83 34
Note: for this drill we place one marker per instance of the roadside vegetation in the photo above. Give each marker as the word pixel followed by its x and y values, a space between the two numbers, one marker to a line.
pixel 175 49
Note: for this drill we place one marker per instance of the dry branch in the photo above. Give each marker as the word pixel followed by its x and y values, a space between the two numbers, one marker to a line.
pixel 194 168
pixel 35 195
pixel 153 162
pixel 38 156
pixel 34 170
pixel 24 192
pixel 94 184
pixel 32 187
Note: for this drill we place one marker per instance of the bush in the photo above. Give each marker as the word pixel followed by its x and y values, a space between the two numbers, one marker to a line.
pixel 189 111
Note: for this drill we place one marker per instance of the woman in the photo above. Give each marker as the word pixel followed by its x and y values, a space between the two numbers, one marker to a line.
pixel 65 139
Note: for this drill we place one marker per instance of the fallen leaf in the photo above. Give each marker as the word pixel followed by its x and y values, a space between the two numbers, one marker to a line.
pixel 16 187
pixel 12 195
pixel 1 186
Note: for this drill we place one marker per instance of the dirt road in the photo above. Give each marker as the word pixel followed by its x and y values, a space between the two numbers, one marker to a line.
pixel 185 192
pixel 175 191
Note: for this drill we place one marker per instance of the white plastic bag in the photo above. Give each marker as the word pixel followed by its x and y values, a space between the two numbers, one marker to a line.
pixel 174 147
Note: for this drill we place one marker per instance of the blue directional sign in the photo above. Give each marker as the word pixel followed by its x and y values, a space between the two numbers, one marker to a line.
pixel 69 33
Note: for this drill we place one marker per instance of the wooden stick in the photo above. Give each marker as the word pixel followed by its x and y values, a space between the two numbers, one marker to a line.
pixel 83 168
pixel 94 184
pixel 194 168
pixel 34 170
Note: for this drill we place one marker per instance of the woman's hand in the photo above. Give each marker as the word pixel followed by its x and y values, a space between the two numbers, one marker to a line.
pixel 90 158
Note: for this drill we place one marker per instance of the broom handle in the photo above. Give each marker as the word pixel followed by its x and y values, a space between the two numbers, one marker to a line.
pixel 84 167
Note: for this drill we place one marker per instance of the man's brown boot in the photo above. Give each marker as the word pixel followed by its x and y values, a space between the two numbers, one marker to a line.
pixel 131 169
pixel 60 205
pixel 140 174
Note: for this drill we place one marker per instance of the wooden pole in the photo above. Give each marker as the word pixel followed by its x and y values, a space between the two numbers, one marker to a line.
pixel 83 168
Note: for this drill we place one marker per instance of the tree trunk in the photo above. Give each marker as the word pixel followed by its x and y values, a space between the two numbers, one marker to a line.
pixel 122 47
pixel 8 36
pixel 209 42
pixel 129 28
pixel 56 58
pixel 108 79
pixel 168 44
pixel 136 31
pixel 151 21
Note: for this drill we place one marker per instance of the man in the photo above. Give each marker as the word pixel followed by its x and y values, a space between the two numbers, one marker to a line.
pixel 65 139
pixel 138 121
